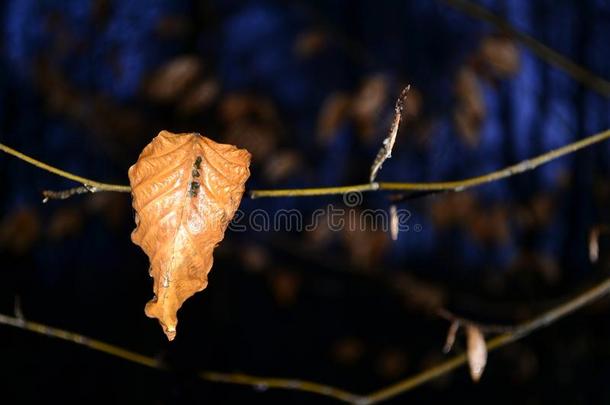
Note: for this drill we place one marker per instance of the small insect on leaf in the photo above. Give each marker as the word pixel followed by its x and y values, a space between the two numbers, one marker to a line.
pixel 476 352
pixel 186 189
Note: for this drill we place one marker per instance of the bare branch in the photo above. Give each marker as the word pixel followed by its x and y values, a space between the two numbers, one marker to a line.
pixel 133 357
pixel 485 328
pixel 65 194
pixel 17 308
pixel 519 332
pixel 264 383
pixel 550 56
pixel 21 323
pixel 516 333
pixel 449 186
pixel 86 182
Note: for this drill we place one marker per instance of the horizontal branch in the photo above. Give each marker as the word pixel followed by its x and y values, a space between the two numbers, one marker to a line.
pixel 455 186
pixel 264 383
pixel 516 333
pixel 550 56
pixel 84 181
pixel 133 357
pixel 94 344
pixel 519 332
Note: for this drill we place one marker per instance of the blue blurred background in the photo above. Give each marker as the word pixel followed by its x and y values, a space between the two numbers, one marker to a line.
pixel 308 87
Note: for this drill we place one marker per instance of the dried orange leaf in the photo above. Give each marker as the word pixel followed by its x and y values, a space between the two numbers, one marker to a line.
pixel 186 188
pixel 476 352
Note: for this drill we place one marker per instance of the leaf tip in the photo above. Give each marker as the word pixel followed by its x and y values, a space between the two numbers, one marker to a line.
pixel 170 332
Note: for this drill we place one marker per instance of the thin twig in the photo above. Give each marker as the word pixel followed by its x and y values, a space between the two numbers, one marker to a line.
pixel 81 340
pixel 133 357
pixel 264 383
pixel 18 311
pixel 517 333
pixel 455 186
pixel 449 186
pixel 545 53
pixel 84 181
pixel 64 194
pixel 388 143
pixel 384 394
pixel 414 195
pixel 485 328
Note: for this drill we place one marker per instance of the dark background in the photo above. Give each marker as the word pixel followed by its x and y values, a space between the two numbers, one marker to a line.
pixel 308 88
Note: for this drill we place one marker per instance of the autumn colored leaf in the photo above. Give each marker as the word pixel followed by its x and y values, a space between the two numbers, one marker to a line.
pixel 186 189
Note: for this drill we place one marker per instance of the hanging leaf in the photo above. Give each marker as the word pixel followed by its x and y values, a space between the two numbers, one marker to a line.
pixel 186 189
pixel 476 351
